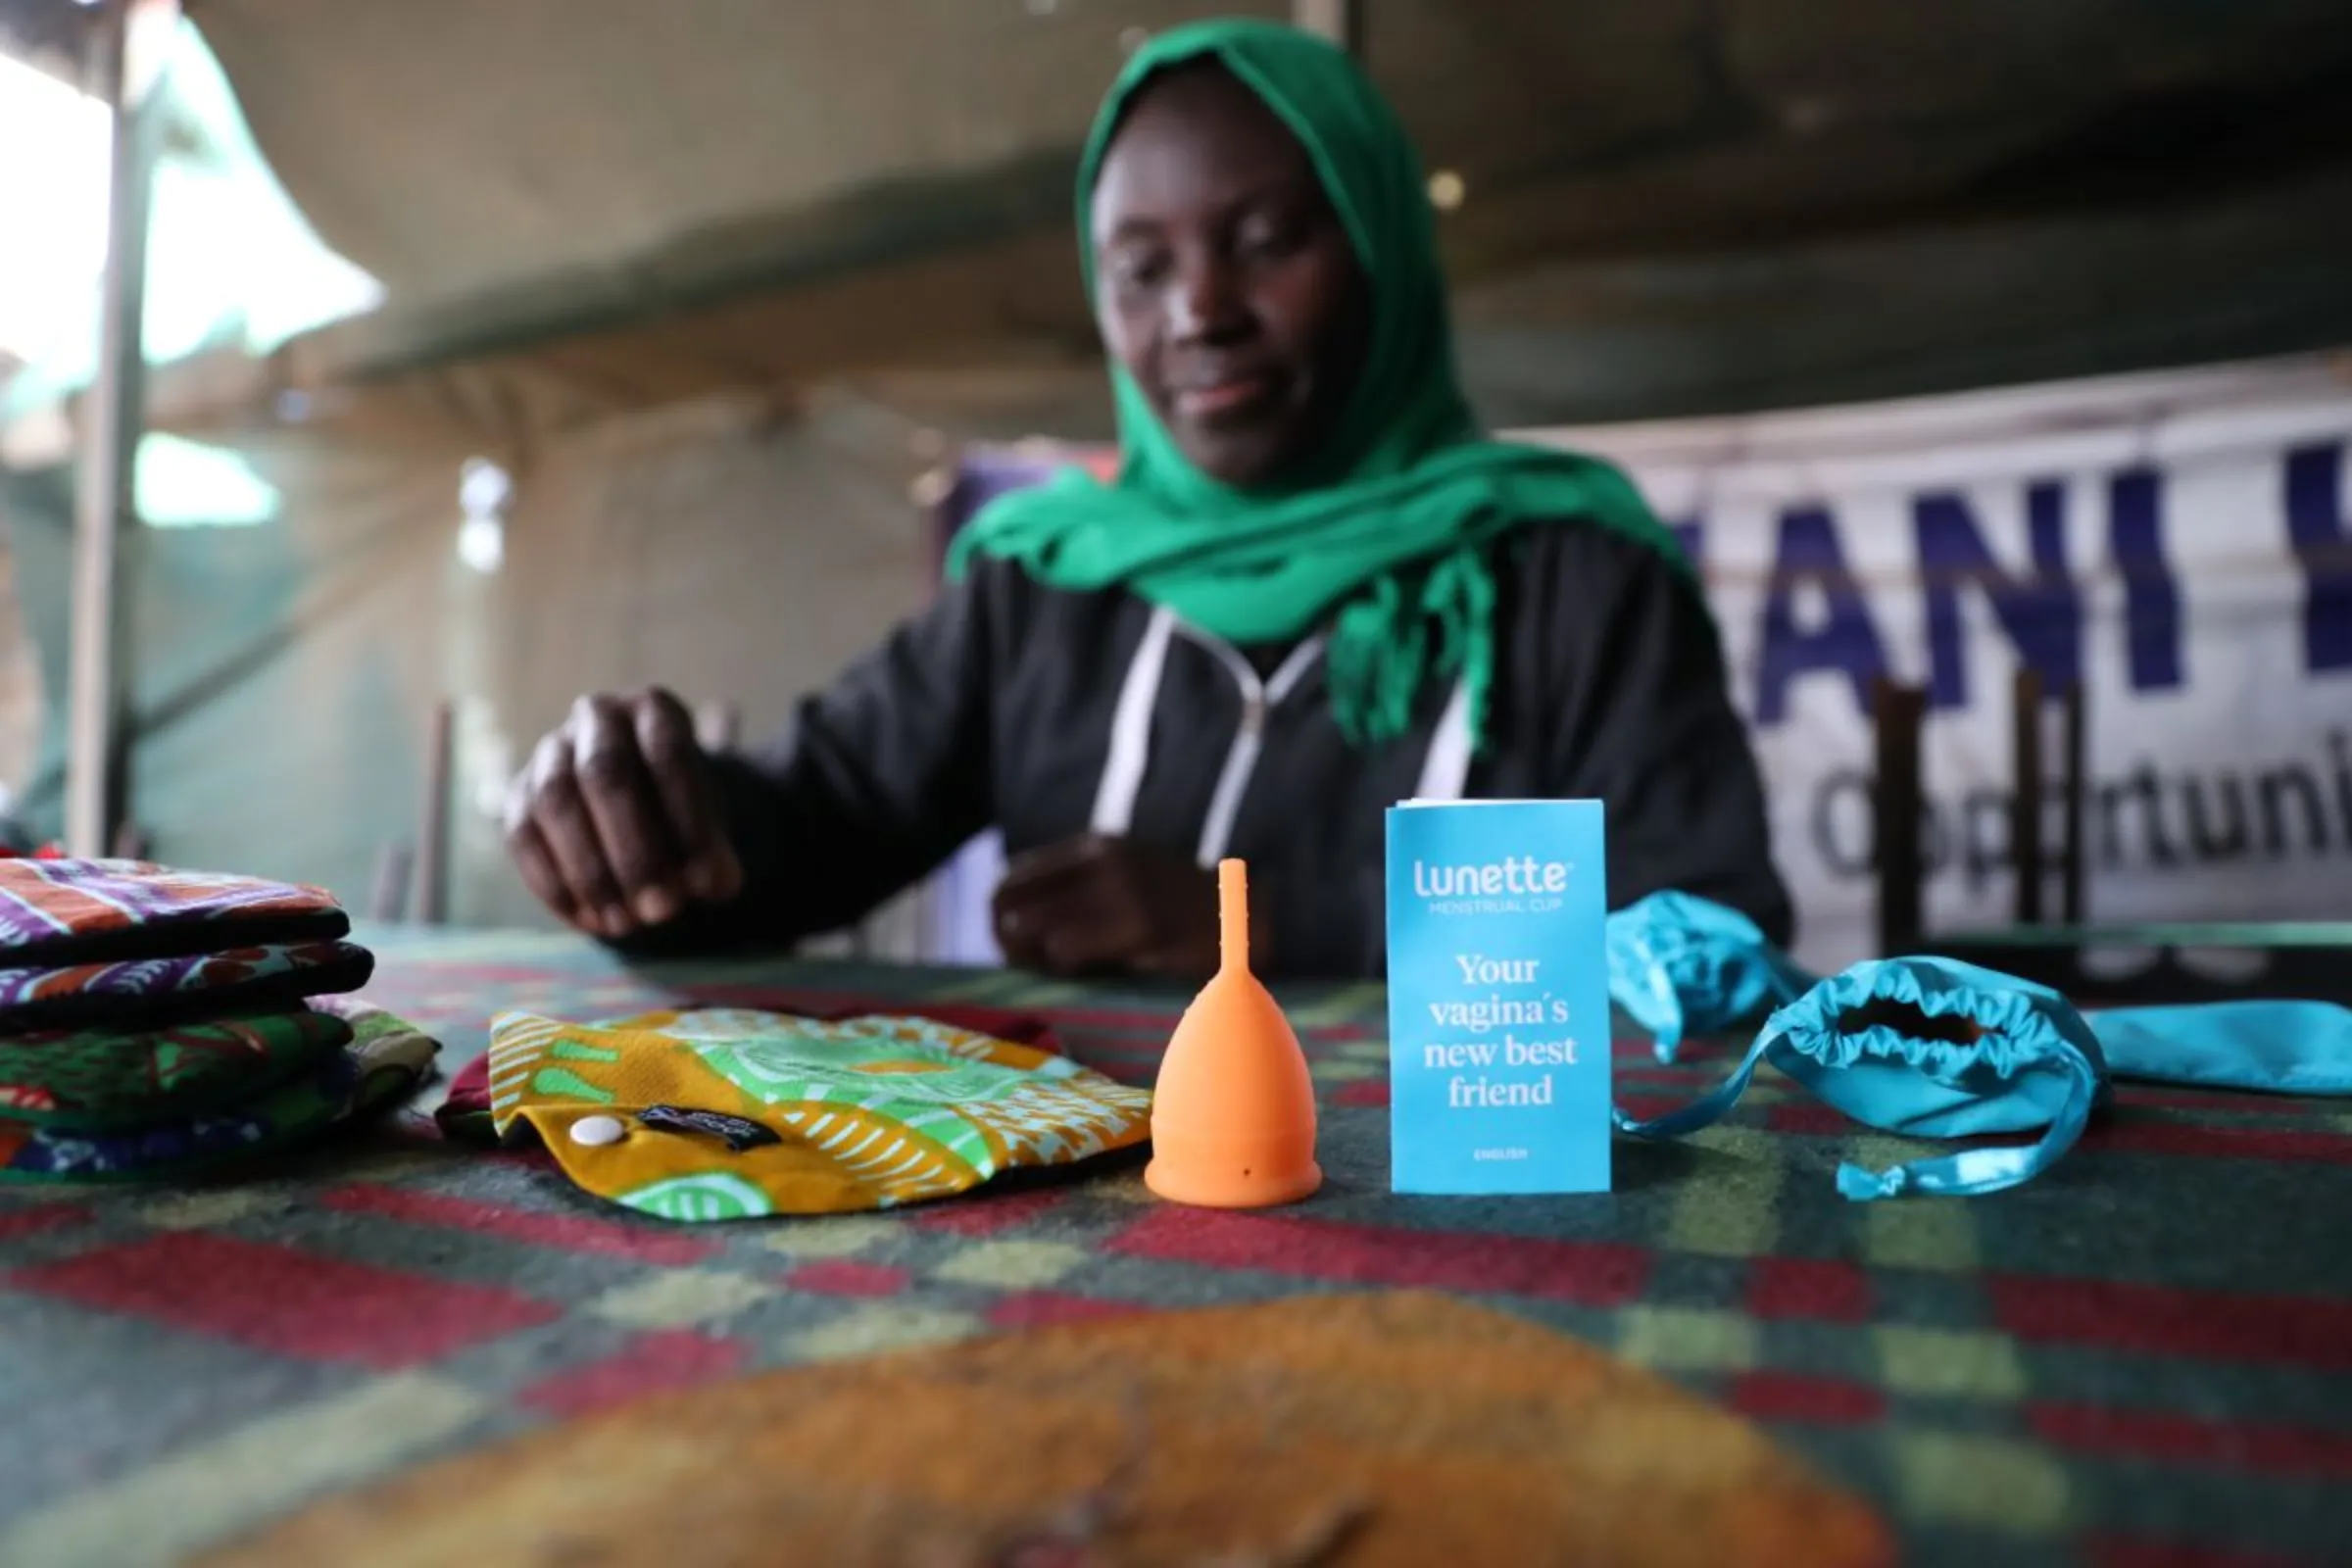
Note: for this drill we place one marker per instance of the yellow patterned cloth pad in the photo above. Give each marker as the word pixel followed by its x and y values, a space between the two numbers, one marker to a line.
pixel 723 1113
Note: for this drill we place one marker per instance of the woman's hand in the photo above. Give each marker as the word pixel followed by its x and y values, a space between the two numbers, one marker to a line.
pixel 615 823
pixel 1096 906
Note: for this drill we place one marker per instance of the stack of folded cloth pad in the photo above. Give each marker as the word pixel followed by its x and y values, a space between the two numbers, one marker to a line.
pixel 159 1023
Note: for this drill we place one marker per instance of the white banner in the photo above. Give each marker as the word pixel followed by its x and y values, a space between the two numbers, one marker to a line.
pixel 2179 544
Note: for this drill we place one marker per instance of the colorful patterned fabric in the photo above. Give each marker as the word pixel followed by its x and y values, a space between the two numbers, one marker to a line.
pixel 75 911
pixel 91 1078
pixel 729 1114
pixel 375 1030
pixel 463 1114
pixel 362 1077
pixel 142 993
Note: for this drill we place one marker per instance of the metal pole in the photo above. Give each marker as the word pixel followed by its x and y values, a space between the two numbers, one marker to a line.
pixel 431 870
pixel 1340 21
pixel 130 45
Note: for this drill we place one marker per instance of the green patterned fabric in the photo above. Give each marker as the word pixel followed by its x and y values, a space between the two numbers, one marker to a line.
pixel 340 1088
pixel 91 1078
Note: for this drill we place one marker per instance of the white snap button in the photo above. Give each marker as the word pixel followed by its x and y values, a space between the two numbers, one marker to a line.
pixel 597 1131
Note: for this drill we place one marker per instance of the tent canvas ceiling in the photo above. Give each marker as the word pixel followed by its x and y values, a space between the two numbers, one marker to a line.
pixel 514 168
pixel 1675 206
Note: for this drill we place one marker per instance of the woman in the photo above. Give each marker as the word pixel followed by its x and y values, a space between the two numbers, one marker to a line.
pixel 1312 591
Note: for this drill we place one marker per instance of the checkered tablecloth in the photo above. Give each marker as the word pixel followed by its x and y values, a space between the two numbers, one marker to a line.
pixel 2141 1358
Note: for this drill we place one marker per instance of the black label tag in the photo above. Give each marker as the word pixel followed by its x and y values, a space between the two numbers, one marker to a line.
pixel 735 1132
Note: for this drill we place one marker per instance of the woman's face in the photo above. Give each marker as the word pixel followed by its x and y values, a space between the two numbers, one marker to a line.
pixel 1225 282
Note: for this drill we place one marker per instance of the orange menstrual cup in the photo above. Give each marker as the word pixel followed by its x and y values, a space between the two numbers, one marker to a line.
pixel 1233 1115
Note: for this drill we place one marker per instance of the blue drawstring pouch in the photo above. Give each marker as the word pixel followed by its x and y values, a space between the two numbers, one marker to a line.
pixel 1928 1048
pixel 1935 1048
pixel 1682 965
pixel 2278 1048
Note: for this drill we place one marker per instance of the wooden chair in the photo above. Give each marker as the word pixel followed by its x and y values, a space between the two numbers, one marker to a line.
pixel 1898 805
pixel 2121 966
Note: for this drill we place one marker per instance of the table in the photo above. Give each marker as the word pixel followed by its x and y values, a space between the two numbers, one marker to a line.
pixel 2155 964
pixel 2144 1357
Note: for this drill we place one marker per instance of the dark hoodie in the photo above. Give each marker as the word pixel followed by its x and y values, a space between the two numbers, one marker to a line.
pixel 998 708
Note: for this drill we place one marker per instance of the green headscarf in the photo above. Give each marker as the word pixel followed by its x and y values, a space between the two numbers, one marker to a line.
pixel 1385 537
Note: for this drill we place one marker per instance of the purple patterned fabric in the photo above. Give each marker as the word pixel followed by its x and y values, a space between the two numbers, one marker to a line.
pixel 78 912
pixel 132 992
